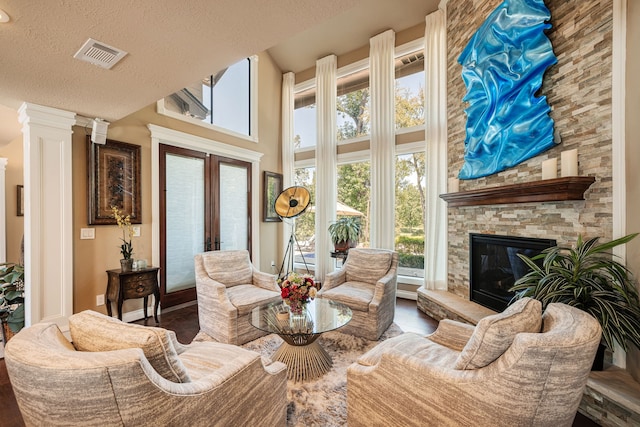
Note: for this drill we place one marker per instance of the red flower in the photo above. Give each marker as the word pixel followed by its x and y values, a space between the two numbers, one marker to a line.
pixel 285 293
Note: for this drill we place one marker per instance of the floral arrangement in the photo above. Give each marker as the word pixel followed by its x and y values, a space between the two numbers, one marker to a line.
pixel 297 290
pixel 124 222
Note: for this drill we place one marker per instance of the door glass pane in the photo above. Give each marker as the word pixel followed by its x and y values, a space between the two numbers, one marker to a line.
pixel 184 219
pixel 234 233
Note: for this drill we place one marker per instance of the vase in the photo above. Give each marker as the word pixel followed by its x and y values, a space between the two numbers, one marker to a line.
pixel 296 307
pixel 126 264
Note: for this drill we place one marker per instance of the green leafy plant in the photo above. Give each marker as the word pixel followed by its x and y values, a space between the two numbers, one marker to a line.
pixel 589 278
pixel 345 232
pixel 12 295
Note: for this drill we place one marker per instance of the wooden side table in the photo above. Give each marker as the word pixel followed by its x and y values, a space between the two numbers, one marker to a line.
pixel 122 285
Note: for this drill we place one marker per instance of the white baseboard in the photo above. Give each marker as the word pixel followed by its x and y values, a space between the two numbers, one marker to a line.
pixel 412 295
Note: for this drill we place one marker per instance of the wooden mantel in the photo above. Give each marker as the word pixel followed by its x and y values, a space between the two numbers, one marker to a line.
pixel 548 190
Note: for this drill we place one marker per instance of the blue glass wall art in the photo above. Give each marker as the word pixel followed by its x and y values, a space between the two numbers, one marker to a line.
pixel 502 68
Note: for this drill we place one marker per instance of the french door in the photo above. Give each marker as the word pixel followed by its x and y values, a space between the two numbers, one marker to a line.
pixel 204 205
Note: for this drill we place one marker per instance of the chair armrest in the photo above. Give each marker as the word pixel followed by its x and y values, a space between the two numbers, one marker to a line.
pixel 265 281
pixel 384 286
pixel 216 291
pixel 333 279
pixel 452 334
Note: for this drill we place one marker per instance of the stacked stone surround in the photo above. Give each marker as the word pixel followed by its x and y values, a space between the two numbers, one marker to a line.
pixel 578 89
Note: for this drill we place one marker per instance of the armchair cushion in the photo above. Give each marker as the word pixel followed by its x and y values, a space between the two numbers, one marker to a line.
pixel 367 266
pixel 218 268
pixel 493 335
pixel 246 297
pixel 357 295
pixel 93 331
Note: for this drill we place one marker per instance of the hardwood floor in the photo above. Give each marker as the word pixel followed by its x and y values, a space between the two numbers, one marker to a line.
pixel 184 321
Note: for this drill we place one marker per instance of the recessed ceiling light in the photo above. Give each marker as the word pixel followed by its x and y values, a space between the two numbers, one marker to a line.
pixel 4 17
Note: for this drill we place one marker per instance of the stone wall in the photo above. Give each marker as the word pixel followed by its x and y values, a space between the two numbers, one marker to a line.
pixel 578 89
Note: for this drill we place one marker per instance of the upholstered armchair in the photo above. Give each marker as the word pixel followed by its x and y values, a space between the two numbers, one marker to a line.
pixel 228 287
pixel 504 372
pixel 367 284
pixel 119 374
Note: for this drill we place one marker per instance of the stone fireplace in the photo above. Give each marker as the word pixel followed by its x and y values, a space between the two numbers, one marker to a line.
pixel 579 90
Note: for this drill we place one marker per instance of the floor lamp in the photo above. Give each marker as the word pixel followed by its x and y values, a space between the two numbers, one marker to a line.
pixel 291 203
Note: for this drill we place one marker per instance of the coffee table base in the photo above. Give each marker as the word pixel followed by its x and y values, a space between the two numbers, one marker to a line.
pixel 304 362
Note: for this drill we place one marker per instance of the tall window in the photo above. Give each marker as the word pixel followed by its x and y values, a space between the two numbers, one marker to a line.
pixel 305 223
pixel 225 100
pixel 410 90
pixel 304 118
pixel 353 153
pixel 354 196
pixel 353 103
pixel 410 219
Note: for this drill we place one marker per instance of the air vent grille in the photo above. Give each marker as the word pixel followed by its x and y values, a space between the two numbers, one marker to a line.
pixel 100 54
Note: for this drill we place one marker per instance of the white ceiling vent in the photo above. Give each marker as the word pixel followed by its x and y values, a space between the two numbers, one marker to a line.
pixel 100 54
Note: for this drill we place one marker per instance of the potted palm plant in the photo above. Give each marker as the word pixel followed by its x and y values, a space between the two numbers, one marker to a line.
pixel 587 277
pixel 345 233
pixel 11 299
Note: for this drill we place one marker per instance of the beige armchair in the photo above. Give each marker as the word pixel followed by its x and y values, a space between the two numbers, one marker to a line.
pixel 119 374
pixel 228 287
pixel 496 374
pixel 367 284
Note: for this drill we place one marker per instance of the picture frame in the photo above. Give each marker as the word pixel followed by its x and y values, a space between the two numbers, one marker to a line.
pixel 20 200
pixel 272 189
pixel 114 180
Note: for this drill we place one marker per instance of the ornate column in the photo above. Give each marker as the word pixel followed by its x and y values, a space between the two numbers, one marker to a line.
pixel 48 232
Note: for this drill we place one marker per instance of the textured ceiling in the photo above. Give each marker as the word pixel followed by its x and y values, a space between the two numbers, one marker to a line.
pixel 170 44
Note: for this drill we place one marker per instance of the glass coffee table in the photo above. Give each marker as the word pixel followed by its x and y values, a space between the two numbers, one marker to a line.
pixel 303 355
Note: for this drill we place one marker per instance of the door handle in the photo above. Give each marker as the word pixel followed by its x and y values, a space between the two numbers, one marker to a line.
pixel 207 244
pixel 216 243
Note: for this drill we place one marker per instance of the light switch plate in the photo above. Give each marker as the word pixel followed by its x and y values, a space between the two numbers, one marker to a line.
pixel 136 231
pixel 87 233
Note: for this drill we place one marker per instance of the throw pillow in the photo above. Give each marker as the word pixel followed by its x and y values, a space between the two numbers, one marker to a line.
pixel 93 331
pixel 494 334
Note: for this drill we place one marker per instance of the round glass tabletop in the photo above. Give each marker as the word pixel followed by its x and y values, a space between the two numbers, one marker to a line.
pixel 318 316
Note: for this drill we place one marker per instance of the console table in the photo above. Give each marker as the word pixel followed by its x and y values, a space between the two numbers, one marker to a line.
pixel 122 285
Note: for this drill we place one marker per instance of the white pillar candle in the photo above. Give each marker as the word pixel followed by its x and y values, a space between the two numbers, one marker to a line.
pixel 569 162
pixel 550 168
pixel 454 185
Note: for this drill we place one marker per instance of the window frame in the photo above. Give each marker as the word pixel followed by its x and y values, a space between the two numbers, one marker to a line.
pixel 253 109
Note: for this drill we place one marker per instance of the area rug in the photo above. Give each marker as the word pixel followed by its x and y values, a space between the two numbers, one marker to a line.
pixel 322 401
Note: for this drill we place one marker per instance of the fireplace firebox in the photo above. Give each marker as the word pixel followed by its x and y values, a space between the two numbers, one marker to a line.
pixel 494 266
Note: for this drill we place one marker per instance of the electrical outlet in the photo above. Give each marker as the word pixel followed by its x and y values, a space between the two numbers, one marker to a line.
pixel 273 263
pixel 136 231
pixel 99 299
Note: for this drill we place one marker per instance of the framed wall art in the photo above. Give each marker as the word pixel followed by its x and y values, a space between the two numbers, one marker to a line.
pixel 114 180
pixel 272 189
pixel 20 200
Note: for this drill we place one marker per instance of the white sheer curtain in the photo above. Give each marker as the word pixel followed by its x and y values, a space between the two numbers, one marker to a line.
pixel 325 161
pixel 288 100
pixel 435 249
pixel 383 155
